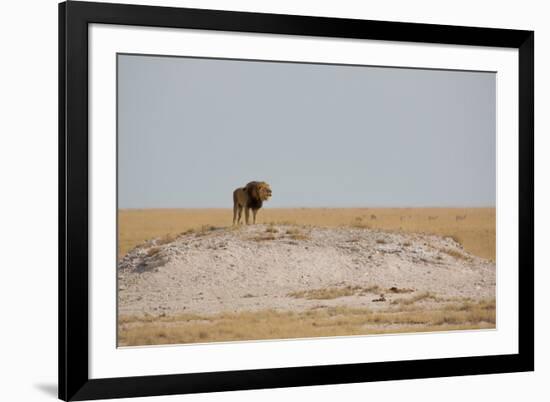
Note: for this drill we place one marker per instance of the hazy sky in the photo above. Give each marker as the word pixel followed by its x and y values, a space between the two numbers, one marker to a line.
pixel 192 130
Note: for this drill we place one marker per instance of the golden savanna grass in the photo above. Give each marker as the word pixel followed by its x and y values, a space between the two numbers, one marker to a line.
pixel 321 321
pixel 474 228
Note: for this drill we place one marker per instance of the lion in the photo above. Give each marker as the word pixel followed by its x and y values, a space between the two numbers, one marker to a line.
pixel 249 197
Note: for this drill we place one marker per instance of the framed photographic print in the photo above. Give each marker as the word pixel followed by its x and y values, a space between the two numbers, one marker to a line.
pixel 257 200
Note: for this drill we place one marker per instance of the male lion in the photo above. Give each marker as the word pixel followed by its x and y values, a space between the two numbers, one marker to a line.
pixel 249 197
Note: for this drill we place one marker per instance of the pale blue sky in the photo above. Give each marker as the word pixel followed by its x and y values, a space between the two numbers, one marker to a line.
pixel 192 130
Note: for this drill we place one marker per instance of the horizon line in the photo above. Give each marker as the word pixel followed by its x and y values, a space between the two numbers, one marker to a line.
pixel 326 207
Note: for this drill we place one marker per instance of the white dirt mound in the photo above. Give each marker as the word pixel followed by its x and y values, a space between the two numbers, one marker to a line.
pixel 263 267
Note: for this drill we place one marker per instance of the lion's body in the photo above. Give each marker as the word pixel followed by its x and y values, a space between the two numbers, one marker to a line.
pixel 249 197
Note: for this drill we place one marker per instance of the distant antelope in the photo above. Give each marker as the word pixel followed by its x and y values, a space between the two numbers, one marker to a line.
pixel 460 217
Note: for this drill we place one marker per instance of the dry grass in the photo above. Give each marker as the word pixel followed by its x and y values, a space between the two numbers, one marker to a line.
pixel 455 254
pixel 296 234
pixel 263 237
pixel 153 251
pixel 417 298
pixel 476 233
pixel 169 238
pixel 326 293
pixel 360 225
pixel 397 290
pixel 148 318
pixel 343 291
pixel 299 236
pixel 317 322
pixel 204 230
pixel 371 289
pixel 454 238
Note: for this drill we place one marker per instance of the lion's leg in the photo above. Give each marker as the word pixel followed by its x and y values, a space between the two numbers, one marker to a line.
pixel 234 213
pixel 254 211
pixel 240 208
pixel 246 214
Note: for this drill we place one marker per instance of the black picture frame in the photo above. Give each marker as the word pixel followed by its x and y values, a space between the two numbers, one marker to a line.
pixel 74 381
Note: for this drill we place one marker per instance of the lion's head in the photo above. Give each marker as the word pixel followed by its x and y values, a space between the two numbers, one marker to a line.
pixel 259 190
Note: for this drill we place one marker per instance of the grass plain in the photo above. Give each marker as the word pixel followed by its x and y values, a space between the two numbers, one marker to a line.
pixel 318 322
pixel 474 228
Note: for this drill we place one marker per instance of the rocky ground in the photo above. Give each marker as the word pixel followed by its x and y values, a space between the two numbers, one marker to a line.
pixel 296 268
